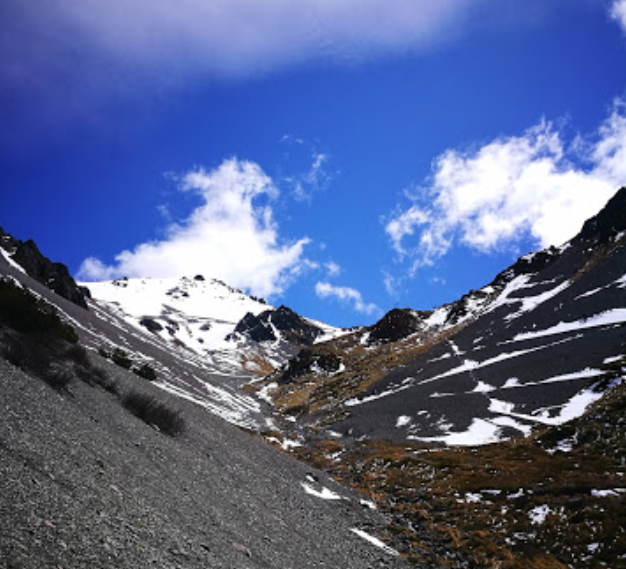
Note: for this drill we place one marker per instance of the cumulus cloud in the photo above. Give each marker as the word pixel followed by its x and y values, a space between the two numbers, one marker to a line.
pixel 618 13
pixel 534 185
pixel 346 295
pixel 232 236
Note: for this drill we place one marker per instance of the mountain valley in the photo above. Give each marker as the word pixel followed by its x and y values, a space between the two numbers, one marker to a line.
pixel 485 433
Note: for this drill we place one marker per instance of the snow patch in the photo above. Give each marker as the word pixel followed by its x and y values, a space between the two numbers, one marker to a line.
pixel 530 303
pixel 324 493
pixel 608 493
pixel 614 316
pixel 375 541
pixel 539 514
pixel 483 387
pixel 480 432
pixel 511 383
pixel 403 421
pixel 11 262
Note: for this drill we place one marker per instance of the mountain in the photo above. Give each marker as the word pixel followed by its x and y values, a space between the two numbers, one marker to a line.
pixel 205 316
pixel 194 331
pixel 109 458
pixel 528 349
pixel 488 432
pixel 25 256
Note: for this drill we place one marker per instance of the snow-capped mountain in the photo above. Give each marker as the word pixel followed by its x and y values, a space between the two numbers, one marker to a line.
pixel 534 347
pixel 194 313
pixel 205 339
pixel 522 358
pixel 225 327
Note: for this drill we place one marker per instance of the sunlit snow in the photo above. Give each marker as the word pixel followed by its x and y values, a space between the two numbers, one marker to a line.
pixel 615 316
pixel 324 493
pixel 375 541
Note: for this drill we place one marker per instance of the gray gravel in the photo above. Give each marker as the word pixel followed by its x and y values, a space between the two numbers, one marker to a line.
pixel 83 483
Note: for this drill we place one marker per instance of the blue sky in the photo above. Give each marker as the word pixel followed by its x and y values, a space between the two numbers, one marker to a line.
pixel 342 158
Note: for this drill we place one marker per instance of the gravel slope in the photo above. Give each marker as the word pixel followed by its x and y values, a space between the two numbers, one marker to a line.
pixel 83 483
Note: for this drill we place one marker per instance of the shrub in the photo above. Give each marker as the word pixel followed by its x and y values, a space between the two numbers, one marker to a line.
pixel 23 312
pixel 78 354
pixel 104 353
pixel 146 371
pixel 120 358
pixel 57 377
pixel 101 378
pixel 154 412
pixel 29 353
pixel 86 371
pixel 14 353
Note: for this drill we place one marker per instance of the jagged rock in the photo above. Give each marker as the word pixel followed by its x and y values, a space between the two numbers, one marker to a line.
pixel 462 307
pixel 151 324
pixel 55 276
pixel 256 328
pixel 291 325
pixel 395 325
pixel 609 222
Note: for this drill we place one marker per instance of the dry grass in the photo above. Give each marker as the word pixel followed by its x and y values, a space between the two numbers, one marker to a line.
pixel 321 393
pixel 484 503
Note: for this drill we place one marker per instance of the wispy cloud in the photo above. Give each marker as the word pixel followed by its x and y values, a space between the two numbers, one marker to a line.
pixel 618 13
pixel 309 168
pixel 235 36
pixel 232 235
pixel 534 185
pixel 332 268
pixel 73 56
pixel 346 295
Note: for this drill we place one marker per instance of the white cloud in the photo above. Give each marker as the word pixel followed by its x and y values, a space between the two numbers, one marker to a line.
pixel 315 179
pixel 235 36
pixel 618 13
pixel 333 269
pixel 347 295
pixel 392 284
pixel 511 188
pixel 70 59
pixel 232 236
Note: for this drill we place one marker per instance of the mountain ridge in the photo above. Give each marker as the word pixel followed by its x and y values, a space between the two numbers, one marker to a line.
pixel 475 346
pixel 502 410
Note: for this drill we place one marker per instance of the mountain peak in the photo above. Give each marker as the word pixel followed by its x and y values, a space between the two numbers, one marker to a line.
pixel 55 276
pixel 609 222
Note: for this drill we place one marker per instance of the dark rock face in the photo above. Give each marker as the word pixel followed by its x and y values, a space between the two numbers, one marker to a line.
pixel 395 325
pixel 529 350
pixel 151 324
pixel 291 325
pixel 255 328
pixel 55 276
pixel 609 222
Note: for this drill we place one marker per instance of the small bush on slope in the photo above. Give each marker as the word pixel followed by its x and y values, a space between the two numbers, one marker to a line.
pixel 154 412
pixel 120 358
pixel 146 371
pixel 23 312
pixel 36 340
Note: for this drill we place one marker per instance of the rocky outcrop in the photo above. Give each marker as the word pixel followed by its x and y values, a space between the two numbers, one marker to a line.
pixel 55 276
pixel 608 223
pixel 291 327
pixel 395 325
